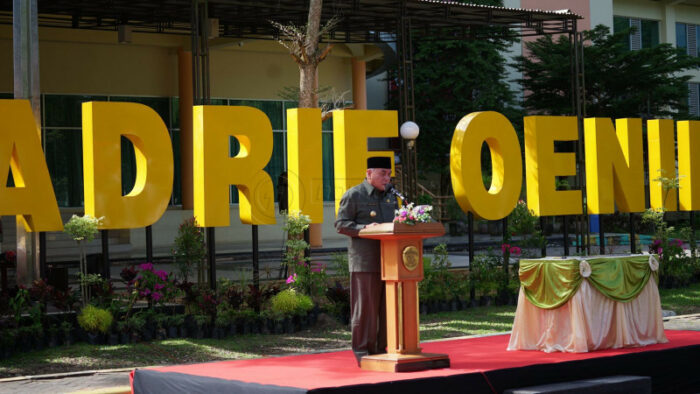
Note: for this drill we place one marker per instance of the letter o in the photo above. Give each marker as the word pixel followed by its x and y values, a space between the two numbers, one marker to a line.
pixel 506 162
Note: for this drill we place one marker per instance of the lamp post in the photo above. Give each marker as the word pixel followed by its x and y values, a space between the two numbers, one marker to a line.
pixel 409 132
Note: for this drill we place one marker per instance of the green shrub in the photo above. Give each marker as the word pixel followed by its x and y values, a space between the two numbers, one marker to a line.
pixel 290 302
pixel 190 250
pixel 93 319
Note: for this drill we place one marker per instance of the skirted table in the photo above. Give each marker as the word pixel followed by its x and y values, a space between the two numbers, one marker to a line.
pixel 578 304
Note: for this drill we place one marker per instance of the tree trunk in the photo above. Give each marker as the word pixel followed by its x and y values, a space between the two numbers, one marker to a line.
pixel 308 86
pixel 308 83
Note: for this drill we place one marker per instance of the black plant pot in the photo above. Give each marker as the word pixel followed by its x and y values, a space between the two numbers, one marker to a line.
pixel 39 342
pixel 53 340
pixel 423 307
pixel 136 337
pixel 172 332
pixel 161 334
pixel 147 334
pixel 67 339
pixel 454 305
pixel 124 338
pixel 232 329
pixel 279 326
pixel 113 339
pixel 93 338
pixel 183 331
pixel 289 325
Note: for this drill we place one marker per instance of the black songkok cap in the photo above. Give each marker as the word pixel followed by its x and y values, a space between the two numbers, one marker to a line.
pixel 379 162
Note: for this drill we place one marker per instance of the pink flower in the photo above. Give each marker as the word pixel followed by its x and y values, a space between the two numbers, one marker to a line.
pixel 145 292
pixel 162 275
pixel 505 247
pixel 146 266
pixel 158 286
pixel 155 296
pixel 515 250
pixel 292 278
pixel 403 214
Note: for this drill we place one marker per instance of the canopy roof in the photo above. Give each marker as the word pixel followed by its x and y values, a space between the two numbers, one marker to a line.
pixel 359 20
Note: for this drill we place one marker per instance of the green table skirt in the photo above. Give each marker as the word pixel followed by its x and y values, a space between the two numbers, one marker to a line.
pixel 549 283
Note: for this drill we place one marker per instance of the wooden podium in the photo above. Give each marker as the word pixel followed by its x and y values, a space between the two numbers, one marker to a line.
pixel 402 269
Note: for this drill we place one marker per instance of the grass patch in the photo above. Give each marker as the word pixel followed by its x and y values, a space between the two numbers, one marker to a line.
pixel 327 335
pixel 682 301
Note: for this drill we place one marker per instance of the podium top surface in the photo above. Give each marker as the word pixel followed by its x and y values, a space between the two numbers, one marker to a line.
pixel 401 230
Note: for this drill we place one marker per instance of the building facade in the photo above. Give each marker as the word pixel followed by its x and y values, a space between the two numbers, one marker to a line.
pixel 675 22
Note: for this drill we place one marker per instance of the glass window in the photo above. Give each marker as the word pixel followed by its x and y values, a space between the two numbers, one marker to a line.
pixel 650 33
pixel 682 36
pixel 128 166
pixel 175 112
pixel 177 171
pixel 621 24
pixel 64 158
pixel 328 171
pixel 63 110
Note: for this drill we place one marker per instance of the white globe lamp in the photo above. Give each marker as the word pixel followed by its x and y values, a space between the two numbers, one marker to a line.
pixel 409 130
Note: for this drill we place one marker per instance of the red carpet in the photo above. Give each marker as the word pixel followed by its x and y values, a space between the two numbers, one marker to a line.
pixel 467 356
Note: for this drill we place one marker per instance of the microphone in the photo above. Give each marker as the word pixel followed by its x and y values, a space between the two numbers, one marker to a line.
pixel 391 189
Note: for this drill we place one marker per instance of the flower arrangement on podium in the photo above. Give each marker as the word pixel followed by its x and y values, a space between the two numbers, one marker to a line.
pixel 410 214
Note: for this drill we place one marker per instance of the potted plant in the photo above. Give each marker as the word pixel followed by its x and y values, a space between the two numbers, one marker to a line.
pixel 190 251
pixel 95 321
pixel 201 326
pixel 290 303
pixel 135 324
pixel 82 229
pixel 66 328
pixel 175 323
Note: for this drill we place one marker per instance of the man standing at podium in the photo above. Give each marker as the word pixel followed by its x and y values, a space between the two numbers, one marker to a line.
pixel 366 205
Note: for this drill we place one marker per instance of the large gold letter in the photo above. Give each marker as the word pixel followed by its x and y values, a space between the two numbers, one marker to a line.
pixel 214 169
pixel 614 165
pixel 351 128
pixel 544 165
pixel 32 199
pixel 689 164
pixel 506 161
pixel 104 123
pixel 662 162
pixel 304 159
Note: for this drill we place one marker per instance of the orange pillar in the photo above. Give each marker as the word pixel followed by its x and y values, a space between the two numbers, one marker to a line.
pixel 184 63
pixel 359 83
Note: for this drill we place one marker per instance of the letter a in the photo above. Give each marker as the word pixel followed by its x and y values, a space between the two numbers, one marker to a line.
pixel 32 199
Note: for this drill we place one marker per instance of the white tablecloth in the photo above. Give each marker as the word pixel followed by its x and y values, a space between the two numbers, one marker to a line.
pixel 589 321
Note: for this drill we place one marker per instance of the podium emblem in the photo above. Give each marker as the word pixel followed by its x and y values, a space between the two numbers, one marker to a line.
pixel 410 257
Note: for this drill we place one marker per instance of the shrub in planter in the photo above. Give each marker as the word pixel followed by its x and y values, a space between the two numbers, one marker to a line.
pixel 160 323
pixel 340 302
pixel 290 303
pixel 8 341
pixel 174 322
pixel 94 321
pixel 67 333
pixel 201 327
pixel 135 325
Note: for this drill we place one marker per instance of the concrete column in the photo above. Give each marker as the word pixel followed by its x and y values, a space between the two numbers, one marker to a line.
pixel 359 83
pixel 25 40
pixel 184 62
pixel 668 31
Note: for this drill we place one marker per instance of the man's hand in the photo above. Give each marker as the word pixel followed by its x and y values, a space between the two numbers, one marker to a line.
pixel 371 225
